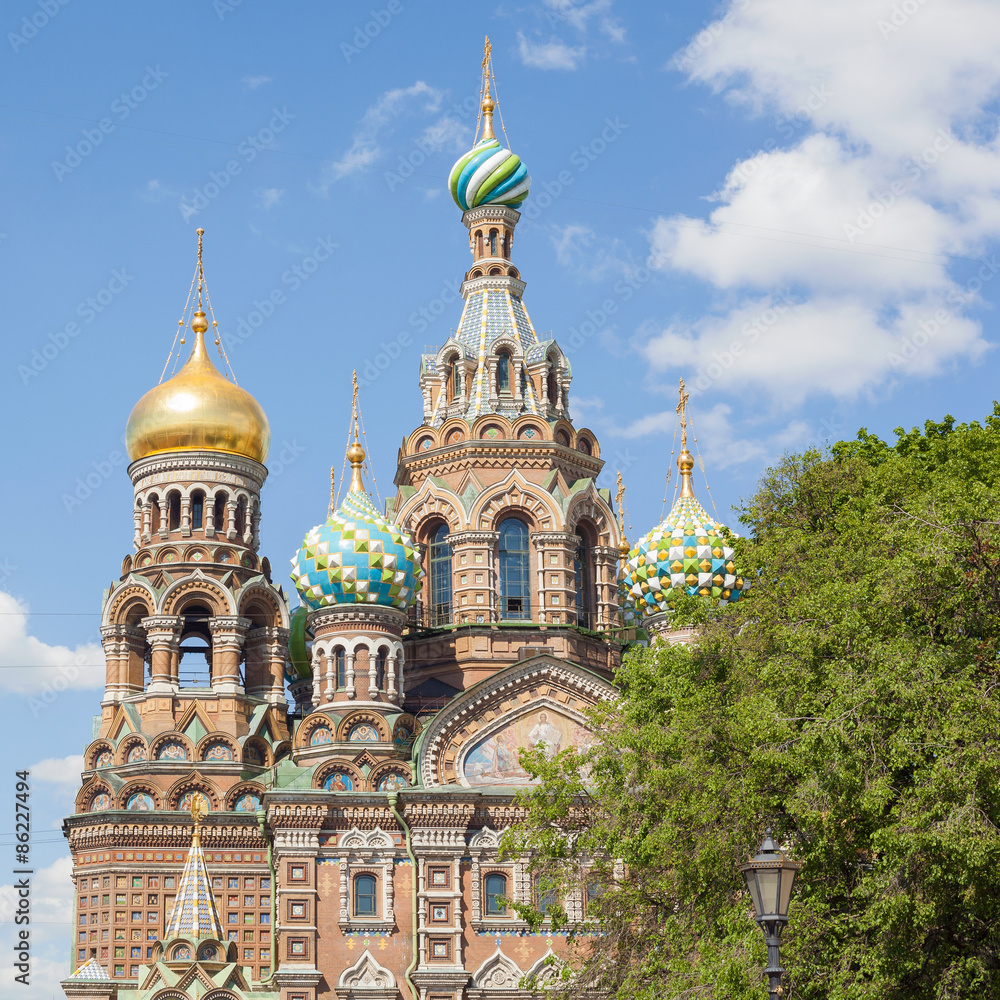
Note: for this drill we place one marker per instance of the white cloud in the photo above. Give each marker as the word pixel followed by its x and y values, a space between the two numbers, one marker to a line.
pixel 64 771
pixel 579 250
pixel 365 147
pixel 30 666
pixel 553 54
pixel 51 927
pixel 269 197
pixel 884 165
pixel 253 82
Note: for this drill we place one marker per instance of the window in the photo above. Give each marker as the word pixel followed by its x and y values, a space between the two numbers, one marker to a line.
pixel 440 564
pixel 553 385
pixel 515 579
pixel 364 896
pixel 220 512
pixel 154 513
pixel 174 511
pixel 544 897
pixel 241 516
pixel 496 892
pixel 454 380
pixel 197 509
pixel 380 660
pixel 340 658
pixel 583 571
pixel 503 372
pixel 493 242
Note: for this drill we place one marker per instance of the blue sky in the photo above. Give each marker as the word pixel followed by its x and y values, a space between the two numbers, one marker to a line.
pixel 790 203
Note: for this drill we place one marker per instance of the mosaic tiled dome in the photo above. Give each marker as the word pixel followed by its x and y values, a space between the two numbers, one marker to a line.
pixel 686 554
pixel 489 175
pixel 357 557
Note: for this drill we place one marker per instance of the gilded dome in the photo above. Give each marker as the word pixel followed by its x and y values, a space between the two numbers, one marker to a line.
pixel 198 409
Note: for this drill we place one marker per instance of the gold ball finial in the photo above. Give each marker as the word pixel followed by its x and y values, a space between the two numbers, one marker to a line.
pixel 488 105
pixel 624 548
pixel 199 322
pixel 355 454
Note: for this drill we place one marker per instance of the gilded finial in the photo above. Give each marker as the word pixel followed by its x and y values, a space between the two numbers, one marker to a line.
pixel 199 810
pixel 488 106
pixel 333 491
pixel 623 546
pixel 355 453
pixel 685 460
pixel 199 322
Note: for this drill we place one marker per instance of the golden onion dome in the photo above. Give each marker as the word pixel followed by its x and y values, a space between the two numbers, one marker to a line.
pixel 198 409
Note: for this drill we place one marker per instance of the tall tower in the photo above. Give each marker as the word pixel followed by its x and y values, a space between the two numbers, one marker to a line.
pixel 195 639
pixel 497 486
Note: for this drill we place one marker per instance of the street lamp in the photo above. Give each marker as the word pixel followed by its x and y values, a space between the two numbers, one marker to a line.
pixel 770 876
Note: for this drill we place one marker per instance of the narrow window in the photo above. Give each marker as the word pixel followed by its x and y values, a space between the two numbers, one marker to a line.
pixel 493 242
pixel 503 372
pixel 241 516
pixel 174 511
pixel 364 896
pixel 341 660
pixel 553 387
pixel 515 579
pixel 380 659
pixel 197 509
pixel 584 582
pixel 440 566
pixel 154 513
pixel 220 512
pixel 496 892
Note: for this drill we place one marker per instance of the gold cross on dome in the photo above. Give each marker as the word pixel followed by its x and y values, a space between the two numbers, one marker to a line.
pixel 682 410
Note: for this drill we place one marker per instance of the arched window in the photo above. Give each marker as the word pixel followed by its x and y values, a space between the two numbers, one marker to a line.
pixel 454 379
pixel 174 511
pixel 197 509
pixel 154 513
pixel 440 565
pixel 503 372
pixel 496 893
pixel 479 243
pixel 515 578
pixel 493 242
pixel 364 896
pixel 340 659
pixel 553 384
pixel 380 660
pixel 241 516
pixel 583 569
pixel 220 512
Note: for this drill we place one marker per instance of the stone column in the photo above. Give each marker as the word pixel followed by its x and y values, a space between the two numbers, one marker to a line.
pixel 185 517
pixel 265 663
pixel 228 635
pixel 606 561
pixel 557 584
pixel 472 575
pixel 349 663
pixel 164 635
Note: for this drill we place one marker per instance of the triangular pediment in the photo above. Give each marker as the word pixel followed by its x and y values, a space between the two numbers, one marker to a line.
pixel 121 725
pixel 195 723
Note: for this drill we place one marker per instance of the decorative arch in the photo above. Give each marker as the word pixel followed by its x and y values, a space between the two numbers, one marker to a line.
pixel 256 752
pixel 129 603
pixel 258 602
pixel 167 746
pixel 367 975
pixel 238 798
pixel 205 750
pixel 99 754
pixel 516 496
pixel 498 972
pixel 390 778
pixel 355 782
pixel 89 793
pixel 192 782
pixel 480 424
pixel 132 749
pixel 316 720
pixel 352 721
pixel 196 587
pixel 129 797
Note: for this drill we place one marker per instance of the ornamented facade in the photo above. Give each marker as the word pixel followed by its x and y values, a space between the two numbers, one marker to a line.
pixel 346 839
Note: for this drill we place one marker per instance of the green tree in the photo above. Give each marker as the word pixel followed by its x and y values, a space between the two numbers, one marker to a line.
pixel 851 704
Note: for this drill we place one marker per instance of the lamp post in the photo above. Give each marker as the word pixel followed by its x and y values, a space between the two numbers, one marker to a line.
pixel 770 876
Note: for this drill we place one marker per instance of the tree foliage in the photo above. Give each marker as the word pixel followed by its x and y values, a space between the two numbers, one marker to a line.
pixel 851 704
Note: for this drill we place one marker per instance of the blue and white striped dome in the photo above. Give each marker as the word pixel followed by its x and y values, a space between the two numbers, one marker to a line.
pixel 489 175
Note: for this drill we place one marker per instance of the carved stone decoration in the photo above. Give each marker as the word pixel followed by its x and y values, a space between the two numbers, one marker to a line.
pixel 366 978
pixel 498 972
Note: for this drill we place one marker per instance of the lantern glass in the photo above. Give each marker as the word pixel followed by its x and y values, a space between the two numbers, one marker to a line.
pixel 750 874
pixel 768 881
pixel 787 880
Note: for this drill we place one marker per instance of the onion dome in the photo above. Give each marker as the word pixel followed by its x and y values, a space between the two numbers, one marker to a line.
pixel 687 554
pixel 199 409
pixel 489 174
pixel 357 556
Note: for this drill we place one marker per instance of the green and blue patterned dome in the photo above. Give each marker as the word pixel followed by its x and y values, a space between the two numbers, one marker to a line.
pixel 687 554
pixel 489 174
pixel 357 556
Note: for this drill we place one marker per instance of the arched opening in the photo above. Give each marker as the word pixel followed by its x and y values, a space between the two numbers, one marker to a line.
pixel 515 578
pixel 503 371
pixel 381 658
pixel 479 243
pixel 440 567
pixel 506 244
pixel 195 649
pixel 552 387
pixel 173 511
pixel 583 566
pixel 364 896
pixel 340 661
pixel 154 513
pixel 241 516
pixel 494 236
pixel 197 509
pixel 219 519
pixel 496 893
pixel 454 379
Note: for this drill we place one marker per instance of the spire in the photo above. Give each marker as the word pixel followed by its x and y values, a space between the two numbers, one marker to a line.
pixel 355 453
pixel 194 915
pixel 685 460
pixel 487 105
pixel 623 546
